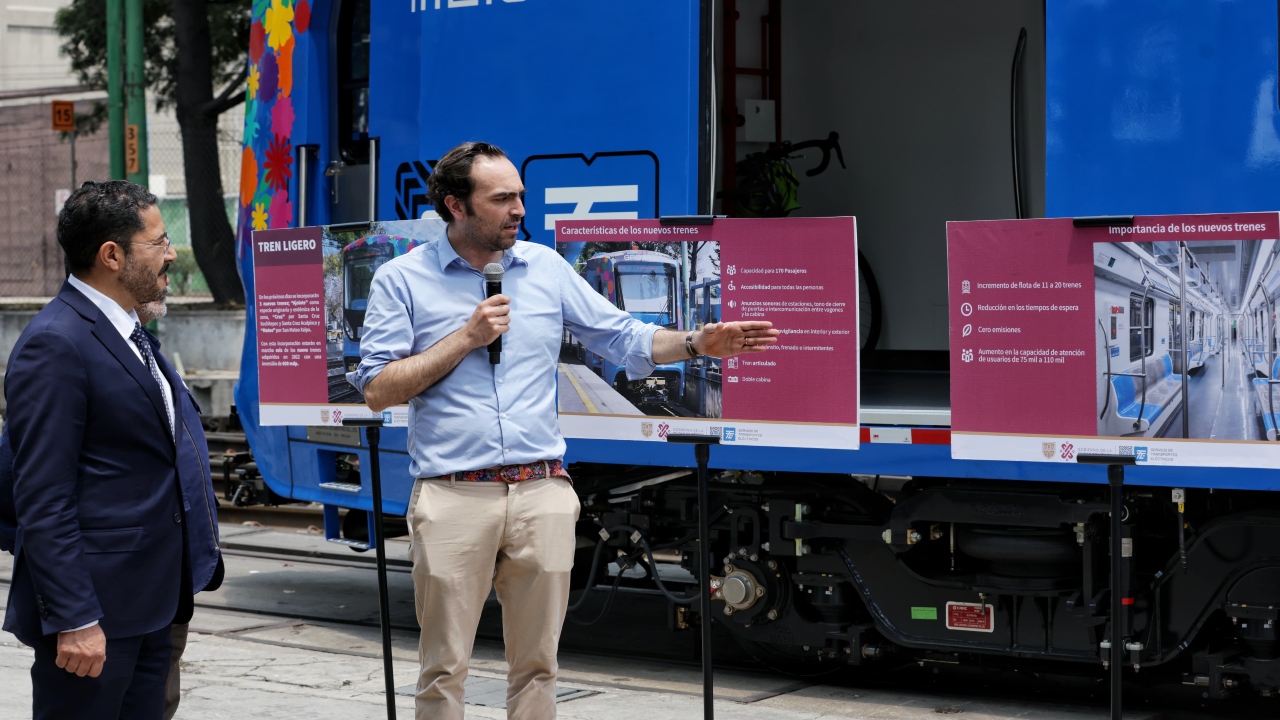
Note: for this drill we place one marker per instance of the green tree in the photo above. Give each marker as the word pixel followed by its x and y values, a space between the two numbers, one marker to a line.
pixel 192 46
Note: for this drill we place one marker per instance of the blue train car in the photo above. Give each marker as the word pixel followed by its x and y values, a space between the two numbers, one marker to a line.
pixel 645 283
pixel 360 260
pixel 703 374
pixel 704 301
pixel 894 553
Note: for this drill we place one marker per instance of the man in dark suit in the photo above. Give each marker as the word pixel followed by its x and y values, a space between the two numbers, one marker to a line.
pixel 114 508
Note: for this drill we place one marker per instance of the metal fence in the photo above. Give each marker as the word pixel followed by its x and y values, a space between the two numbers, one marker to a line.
pixel 35 163
pixel 169 183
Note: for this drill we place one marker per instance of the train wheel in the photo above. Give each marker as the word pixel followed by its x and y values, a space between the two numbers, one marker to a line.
pixel 790 660
pixel 355 526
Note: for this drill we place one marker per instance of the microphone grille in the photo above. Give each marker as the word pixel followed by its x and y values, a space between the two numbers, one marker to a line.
pixel 493 272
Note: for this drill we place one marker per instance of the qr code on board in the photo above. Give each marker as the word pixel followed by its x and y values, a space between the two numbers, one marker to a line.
pixel 1126 449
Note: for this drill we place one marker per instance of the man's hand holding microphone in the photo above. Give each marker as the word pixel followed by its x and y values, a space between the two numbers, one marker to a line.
pixel 492 317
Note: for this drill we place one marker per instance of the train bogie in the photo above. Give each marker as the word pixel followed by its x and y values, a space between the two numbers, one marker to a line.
pixel 820 572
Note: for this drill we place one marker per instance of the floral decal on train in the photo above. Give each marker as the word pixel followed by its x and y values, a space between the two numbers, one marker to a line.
pixel 401 245
pixel 266 166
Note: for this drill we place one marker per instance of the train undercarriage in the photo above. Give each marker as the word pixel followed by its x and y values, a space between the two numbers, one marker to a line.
pixel 813 573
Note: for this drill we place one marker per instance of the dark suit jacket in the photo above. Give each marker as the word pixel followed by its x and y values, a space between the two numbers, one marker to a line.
pixel 105 500
pixel 8 517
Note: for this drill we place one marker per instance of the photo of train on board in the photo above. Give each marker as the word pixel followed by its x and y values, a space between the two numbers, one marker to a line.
pixel 352 255
pixel 672 284
pixel 1187 341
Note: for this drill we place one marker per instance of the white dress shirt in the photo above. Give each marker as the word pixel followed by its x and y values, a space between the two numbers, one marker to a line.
pixel 124 323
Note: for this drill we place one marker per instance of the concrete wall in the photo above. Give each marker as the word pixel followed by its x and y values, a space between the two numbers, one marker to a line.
pixel 919 91
pixel 204 339
pixel 208 342
pixel 29 56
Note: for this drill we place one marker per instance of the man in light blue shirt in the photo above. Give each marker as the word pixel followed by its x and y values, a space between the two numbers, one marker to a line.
pixel 493 506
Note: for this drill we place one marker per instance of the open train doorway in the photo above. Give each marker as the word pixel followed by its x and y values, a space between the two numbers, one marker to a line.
pixel 351 190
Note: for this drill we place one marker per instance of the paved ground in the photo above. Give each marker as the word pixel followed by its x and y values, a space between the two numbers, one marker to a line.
pixel 238 667
pixel 255 665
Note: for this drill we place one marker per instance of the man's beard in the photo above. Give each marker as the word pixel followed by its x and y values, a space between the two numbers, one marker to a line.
pixel 489 237
pixel 142 284
pixel 152 310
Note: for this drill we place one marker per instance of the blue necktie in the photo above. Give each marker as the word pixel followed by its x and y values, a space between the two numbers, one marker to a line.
pixel 139 338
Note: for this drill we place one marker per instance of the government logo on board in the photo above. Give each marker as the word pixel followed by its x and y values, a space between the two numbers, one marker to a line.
pixel 646 429
pixel 1047 449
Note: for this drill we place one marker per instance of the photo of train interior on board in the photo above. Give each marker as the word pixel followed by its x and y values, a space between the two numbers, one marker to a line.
pixel 675 285
pixel 1187 339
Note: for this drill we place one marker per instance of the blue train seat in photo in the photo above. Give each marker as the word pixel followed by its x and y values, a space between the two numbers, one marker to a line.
pixel 1163 388
pixel 1268 399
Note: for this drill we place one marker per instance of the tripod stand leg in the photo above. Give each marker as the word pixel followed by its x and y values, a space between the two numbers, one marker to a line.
pixel 1115 478
pixel 703 454
pixel 375 480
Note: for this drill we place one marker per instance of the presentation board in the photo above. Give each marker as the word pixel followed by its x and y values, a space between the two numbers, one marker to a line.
pixel 312 286
pixel 798 273
pixel 1154 337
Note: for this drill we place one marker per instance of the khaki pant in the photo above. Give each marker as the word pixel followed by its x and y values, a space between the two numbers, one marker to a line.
pixel 517 539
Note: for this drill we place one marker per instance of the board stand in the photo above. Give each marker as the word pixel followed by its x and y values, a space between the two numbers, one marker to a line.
pixel 702 454
pixel 372 433
pixel 1119 641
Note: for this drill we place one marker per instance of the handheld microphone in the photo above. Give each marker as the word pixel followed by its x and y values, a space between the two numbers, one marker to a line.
pixel 493 286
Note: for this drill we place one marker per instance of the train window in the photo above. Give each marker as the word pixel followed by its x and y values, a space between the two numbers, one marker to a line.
pixel 353 81
pixel 646 287
pixel 1141 326
pixel 1175 327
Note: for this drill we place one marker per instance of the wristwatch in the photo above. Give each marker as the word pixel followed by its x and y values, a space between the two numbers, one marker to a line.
pixel 688 345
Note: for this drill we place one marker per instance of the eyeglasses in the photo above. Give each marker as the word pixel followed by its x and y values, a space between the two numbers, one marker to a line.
pixel 165 245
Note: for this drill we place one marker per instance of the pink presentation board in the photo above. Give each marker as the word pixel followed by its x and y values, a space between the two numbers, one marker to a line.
pixel 1156 339
pixel 798 273
pixel 309 294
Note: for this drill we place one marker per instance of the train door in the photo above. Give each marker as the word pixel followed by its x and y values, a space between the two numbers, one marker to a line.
pixel 1273 339
pixel 352 194
pixel 696 305
pixel 1194 340
pixel 1142 316
pixel 1175 336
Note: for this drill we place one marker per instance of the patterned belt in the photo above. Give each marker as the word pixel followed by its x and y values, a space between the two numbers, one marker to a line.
pixel 510 474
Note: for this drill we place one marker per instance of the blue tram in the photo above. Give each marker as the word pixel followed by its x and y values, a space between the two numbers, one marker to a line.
pixel 704 301
pixel 645 284
pixel 895 553
pixel 360 260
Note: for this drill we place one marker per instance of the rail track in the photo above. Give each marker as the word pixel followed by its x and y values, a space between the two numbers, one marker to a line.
pixel 636 627
pixel 341 391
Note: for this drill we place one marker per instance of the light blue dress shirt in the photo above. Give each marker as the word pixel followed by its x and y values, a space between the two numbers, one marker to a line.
pixel 482 415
